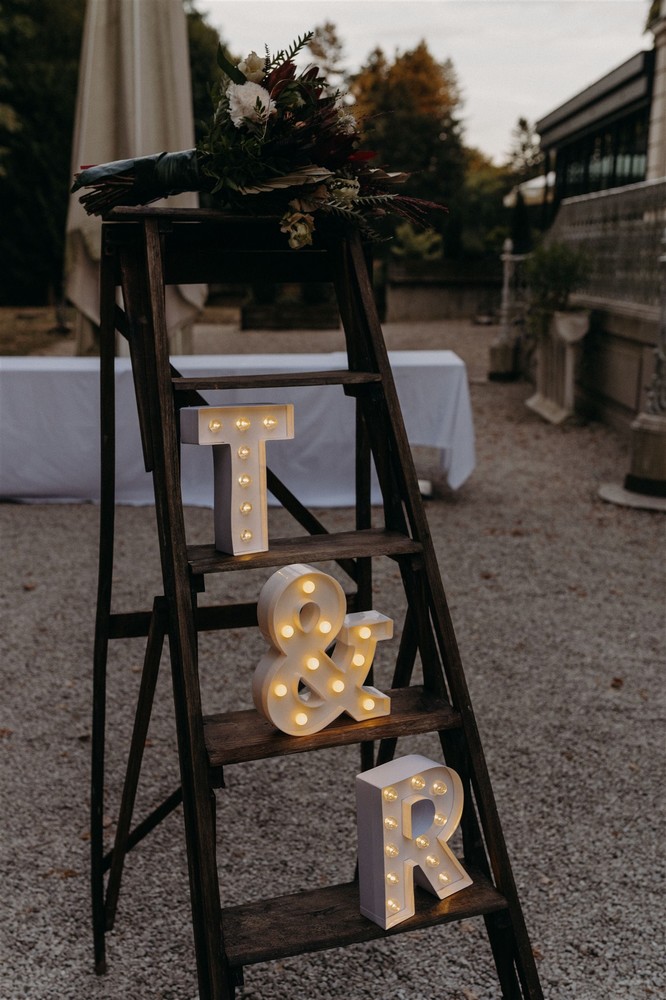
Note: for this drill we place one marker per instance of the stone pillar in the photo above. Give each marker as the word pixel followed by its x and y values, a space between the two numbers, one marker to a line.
pixel 645 483
pixel 656 162
pixel 503 348
pixel 648 462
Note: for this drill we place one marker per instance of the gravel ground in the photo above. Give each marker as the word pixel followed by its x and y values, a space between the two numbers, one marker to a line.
pixel 557 599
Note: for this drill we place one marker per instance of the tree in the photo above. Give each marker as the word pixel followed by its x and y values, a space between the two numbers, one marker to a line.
pixel 40 46
pixel 409 109
pixel 39 58
pixel 203 43
pixel 328 52
pixel 525 156
pixel 483 218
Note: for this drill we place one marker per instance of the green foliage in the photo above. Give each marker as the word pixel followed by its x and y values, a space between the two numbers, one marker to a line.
pixel 408 109
pixel 416 244
pixel 328 51
pixel 525 155
pixel 553 271
pixel 38 82
pixel 204 42
pixel 40 45
pixel 480 212
pixel 287 55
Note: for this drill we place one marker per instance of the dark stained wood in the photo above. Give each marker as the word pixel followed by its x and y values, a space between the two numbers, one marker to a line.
pixel 148 823
pixel 145 249
pixel 271 380
pixel 308 548
pixel 151 666
pixel 103 608
pixel 244 735
pixel 198 803
pixel 330 917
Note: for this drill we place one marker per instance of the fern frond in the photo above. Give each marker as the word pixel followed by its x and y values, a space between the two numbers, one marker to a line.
pixel 293 50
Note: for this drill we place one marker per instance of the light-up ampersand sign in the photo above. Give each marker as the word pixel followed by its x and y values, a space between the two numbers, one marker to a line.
pixel 407 809
pixel 302 684
pixel 238 435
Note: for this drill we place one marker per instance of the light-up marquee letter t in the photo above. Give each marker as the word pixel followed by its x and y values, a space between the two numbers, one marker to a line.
pixel 238 435
pixel 407 809
pixel 302 684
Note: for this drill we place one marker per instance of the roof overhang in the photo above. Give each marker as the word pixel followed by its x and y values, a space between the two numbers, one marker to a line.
pixel 620 91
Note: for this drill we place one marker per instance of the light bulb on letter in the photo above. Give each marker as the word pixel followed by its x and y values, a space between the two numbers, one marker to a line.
pixel 301 614
pixel 238 435
pixel 400 839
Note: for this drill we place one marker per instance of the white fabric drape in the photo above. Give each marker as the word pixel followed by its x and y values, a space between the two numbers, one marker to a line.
pixel 49 413
pixel 134 99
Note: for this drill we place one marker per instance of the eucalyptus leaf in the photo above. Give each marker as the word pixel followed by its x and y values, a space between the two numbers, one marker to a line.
pixel 226 65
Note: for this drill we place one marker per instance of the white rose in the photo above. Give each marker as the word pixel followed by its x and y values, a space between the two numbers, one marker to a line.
pixel 248 100
pixel 252 68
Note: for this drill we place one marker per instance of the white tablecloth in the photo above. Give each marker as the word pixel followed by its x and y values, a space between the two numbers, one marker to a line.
pixel 49 426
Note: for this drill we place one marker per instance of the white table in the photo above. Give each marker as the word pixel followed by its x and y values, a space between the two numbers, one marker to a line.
pixel 49 426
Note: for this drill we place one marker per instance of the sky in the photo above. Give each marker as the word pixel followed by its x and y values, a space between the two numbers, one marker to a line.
pixel 513 58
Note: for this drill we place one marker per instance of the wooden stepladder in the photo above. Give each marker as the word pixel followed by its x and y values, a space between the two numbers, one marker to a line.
pixel 143 250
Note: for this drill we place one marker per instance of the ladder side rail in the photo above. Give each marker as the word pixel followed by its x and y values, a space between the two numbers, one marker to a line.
pixel 363 516
pixel 103 608
pixel 198 809
pixel 441 619
pixel 357 275
pixel 357 309
pixel 149 675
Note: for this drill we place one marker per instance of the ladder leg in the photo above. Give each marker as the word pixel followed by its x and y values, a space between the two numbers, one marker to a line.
pixel 215 980
pixel 502 943
pixel 402 502
pixel 103 611
pixel 158 628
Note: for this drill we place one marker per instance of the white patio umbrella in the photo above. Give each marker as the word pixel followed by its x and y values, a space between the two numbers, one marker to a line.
pixel 134 99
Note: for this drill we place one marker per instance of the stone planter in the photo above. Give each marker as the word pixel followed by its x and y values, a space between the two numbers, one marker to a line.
pixel 556 357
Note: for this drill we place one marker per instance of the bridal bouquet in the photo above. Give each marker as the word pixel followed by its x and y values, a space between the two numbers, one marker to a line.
pixel 279 142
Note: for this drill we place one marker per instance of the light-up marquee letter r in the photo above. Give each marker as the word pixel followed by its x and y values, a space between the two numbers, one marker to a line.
pixel 319 657
pixel 238 435
pixel 406 811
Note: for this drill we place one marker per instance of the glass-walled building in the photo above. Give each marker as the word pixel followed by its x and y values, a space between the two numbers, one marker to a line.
pixel 599 139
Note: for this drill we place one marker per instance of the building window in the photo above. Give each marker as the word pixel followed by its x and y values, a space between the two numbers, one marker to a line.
pixel 611 156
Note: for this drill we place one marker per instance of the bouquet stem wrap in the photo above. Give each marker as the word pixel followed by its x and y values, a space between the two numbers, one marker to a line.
pixel 139 181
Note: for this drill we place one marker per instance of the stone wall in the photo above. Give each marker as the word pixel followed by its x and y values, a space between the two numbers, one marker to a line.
pixel 621 231
pixel 616 366
pixel 441 291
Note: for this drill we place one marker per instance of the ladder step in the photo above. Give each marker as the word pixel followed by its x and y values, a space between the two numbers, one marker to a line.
pixel 330 918
pixel 273 380
pixel 233 737
pixel 306 548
